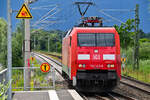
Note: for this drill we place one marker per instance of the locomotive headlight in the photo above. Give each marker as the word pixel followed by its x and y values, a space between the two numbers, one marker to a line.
pixel 83 65
pixel 112 65
pixel 80 65
pixel 108 65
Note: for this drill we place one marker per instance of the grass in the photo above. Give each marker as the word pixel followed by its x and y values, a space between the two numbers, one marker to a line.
pixel 38 78
pixel 141 74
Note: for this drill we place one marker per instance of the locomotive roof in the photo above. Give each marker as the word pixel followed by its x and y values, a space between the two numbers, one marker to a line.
pixel 89 28
pixel 108 27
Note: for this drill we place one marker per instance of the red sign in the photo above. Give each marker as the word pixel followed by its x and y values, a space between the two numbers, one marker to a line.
pixel 45 67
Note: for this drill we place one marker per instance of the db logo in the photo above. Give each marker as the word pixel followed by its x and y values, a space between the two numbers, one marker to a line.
pixel 96 57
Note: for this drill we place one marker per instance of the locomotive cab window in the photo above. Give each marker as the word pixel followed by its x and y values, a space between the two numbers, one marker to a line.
pixel 96 39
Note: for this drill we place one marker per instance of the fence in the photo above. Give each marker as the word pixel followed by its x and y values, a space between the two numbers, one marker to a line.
pixel 38 79
pixel 139 74
pixel 3 75
pixel 3 84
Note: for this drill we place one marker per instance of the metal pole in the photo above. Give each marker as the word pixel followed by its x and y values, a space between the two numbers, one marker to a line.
pixel 34 42
pixel 136 40
pixel 9 49
pixel 56 47
pixel 53 75
pixel 56 44
pixel 48 44
pixel 27 53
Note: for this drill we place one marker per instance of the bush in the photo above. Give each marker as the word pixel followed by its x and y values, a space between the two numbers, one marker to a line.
pixel 3 90
pixel 129 55
pixel 145 51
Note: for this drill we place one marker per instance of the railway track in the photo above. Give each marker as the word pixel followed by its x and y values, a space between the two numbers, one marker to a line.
pixel 144 87
pixel 112 95
pixel 138 85
pixel 106 96
pixel 45 57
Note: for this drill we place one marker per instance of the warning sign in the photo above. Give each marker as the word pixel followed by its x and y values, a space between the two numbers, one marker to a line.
pixel 123 59
pixel 45 67
pixel 24 13
pixel 32 59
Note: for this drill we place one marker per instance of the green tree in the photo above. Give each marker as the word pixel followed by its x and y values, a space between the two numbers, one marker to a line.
pixel 125 31
pixel 17 45
pixel 41 37
pixel 3 42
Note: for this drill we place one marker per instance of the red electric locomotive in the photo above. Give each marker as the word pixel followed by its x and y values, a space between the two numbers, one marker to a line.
pixel 91 57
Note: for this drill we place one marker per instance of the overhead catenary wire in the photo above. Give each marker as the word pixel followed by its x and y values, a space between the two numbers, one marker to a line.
pixel 45 19
pixel 66 17
pixel 120 10
pixel 50 15
pixel 103 11
pixel 116 19
pixel 45 24
pixel 43 7
pixel 46 16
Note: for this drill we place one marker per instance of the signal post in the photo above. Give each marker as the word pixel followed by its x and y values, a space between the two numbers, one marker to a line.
pixel 27 53
pixel 25 14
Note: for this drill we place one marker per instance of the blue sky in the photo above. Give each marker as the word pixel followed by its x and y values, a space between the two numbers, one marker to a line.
pixel 68 15
pixel 3 8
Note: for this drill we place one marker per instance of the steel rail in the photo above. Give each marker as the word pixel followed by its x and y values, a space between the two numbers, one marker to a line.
pixel 136 87
pixel 57 62
pixel 100 97
pixel 148 92
pixel 121 95
pixel 137 81
pixel 112 97
pixel 60 57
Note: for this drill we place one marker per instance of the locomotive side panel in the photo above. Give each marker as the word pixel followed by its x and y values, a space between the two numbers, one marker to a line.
pixel 65 55
pixel 73 54
pixel 118 58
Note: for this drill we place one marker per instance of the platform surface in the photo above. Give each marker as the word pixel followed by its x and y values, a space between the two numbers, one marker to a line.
pixel 47 95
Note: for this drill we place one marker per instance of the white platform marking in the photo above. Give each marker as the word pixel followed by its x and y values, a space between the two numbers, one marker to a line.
pixel 75 95
pixel 53 95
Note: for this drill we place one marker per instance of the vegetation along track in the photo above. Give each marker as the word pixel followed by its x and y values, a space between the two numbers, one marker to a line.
pixel 58 69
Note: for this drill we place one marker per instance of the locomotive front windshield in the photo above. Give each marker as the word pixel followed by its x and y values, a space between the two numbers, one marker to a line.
pixel 96 39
